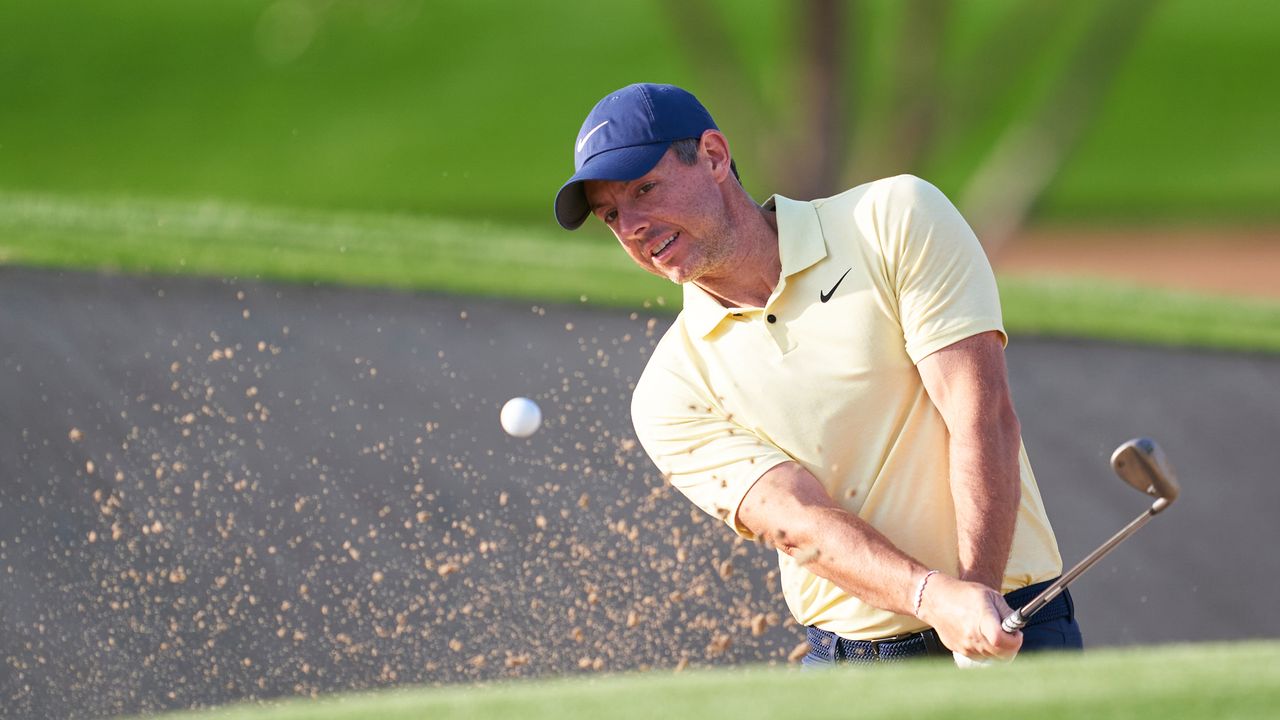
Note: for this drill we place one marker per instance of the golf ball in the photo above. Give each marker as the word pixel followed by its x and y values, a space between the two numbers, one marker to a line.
pixel 520 417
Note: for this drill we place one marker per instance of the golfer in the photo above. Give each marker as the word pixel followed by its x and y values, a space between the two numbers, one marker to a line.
pixel 835 386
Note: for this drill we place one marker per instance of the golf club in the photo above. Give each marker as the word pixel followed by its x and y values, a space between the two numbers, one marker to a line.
pixel 1141 463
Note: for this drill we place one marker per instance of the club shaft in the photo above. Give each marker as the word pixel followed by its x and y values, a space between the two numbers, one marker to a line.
pixel 1018 618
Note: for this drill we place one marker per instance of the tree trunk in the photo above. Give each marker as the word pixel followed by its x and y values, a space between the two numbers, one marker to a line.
pixel 816 163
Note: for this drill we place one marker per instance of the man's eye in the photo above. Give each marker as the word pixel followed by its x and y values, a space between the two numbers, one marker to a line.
pixel 610 216
pixel 645 188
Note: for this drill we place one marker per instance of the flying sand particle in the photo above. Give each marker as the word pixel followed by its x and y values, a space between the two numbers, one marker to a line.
pixel 798 652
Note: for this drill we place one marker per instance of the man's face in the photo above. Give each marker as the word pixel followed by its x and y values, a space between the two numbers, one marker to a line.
pixel 672 221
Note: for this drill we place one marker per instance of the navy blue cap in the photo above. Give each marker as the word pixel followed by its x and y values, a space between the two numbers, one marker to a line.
pixel 624 137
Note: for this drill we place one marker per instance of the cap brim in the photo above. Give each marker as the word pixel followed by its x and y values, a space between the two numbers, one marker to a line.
pixel 626 163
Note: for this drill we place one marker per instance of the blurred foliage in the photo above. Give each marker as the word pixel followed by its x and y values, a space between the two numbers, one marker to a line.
pixel 470 108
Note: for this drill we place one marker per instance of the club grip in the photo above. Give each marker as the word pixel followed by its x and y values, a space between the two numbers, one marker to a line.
pixel 1014 622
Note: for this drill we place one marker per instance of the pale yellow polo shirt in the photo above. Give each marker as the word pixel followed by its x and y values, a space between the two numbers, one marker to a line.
pixel 730 393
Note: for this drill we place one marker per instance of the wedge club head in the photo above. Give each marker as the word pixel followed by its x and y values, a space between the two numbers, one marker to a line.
pixel 1141 463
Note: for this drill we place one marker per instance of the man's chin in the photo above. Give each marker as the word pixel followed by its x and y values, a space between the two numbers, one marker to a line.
pixel 665 274
pixel 678 274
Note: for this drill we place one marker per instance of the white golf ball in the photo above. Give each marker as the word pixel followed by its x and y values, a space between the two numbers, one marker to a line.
pixel 520 417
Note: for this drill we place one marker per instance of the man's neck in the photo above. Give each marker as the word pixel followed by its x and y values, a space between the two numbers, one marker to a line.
pixel 753 271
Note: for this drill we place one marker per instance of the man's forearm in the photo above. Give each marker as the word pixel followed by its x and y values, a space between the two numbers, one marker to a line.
pixel 792 510
pixel 986 485
pixel 863 562
pixel 855 556
pixel 968 382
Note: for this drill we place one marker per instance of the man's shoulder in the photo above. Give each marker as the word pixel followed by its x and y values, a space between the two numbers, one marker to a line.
pixel 669 371
pixel 897 188
pixel 670 353
pixel 882 206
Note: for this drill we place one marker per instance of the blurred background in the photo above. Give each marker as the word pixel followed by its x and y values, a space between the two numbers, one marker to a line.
pixel 225 488
pixel 1090 113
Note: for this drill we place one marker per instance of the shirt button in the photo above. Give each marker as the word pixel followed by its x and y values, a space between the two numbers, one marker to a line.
pixel 772 318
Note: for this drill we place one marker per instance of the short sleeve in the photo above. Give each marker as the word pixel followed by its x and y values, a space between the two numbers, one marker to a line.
pixel 701 451
pixel 945 288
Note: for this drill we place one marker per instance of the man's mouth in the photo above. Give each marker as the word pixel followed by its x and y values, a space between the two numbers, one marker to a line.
pixel 665 244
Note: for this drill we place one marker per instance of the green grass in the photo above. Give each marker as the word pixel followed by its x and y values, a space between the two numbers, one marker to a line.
pixel 1108 310
pixel 1174 682
pixel 425 253
pixel 314 246
pixel 463 108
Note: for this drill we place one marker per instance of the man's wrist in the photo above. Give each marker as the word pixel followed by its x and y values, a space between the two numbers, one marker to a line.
pixel 989 578
pixel 921 586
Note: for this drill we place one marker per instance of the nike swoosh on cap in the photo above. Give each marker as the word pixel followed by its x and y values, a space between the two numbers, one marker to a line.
pixel 590 132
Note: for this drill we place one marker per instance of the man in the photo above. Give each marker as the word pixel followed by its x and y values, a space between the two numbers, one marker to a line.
pixel 835 385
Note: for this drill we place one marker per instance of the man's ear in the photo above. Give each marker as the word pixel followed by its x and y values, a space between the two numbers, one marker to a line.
pixel 714 147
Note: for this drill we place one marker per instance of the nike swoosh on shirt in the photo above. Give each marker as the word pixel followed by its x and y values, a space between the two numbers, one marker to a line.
pixel 825 296
pixel 582 143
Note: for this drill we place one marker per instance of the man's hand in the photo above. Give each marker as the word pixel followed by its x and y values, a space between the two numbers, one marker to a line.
pixel 967 617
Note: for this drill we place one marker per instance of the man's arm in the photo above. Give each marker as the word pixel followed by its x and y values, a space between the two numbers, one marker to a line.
pixel 790 507
pixel 968 382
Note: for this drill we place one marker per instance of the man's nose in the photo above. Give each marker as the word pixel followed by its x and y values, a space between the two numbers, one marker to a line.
pixel 633 225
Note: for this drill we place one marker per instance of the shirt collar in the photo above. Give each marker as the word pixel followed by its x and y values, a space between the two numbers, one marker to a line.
pixel 800 245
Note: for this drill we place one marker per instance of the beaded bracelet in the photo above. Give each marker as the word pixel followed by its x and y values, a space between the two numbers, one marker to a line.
pixel 920 590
